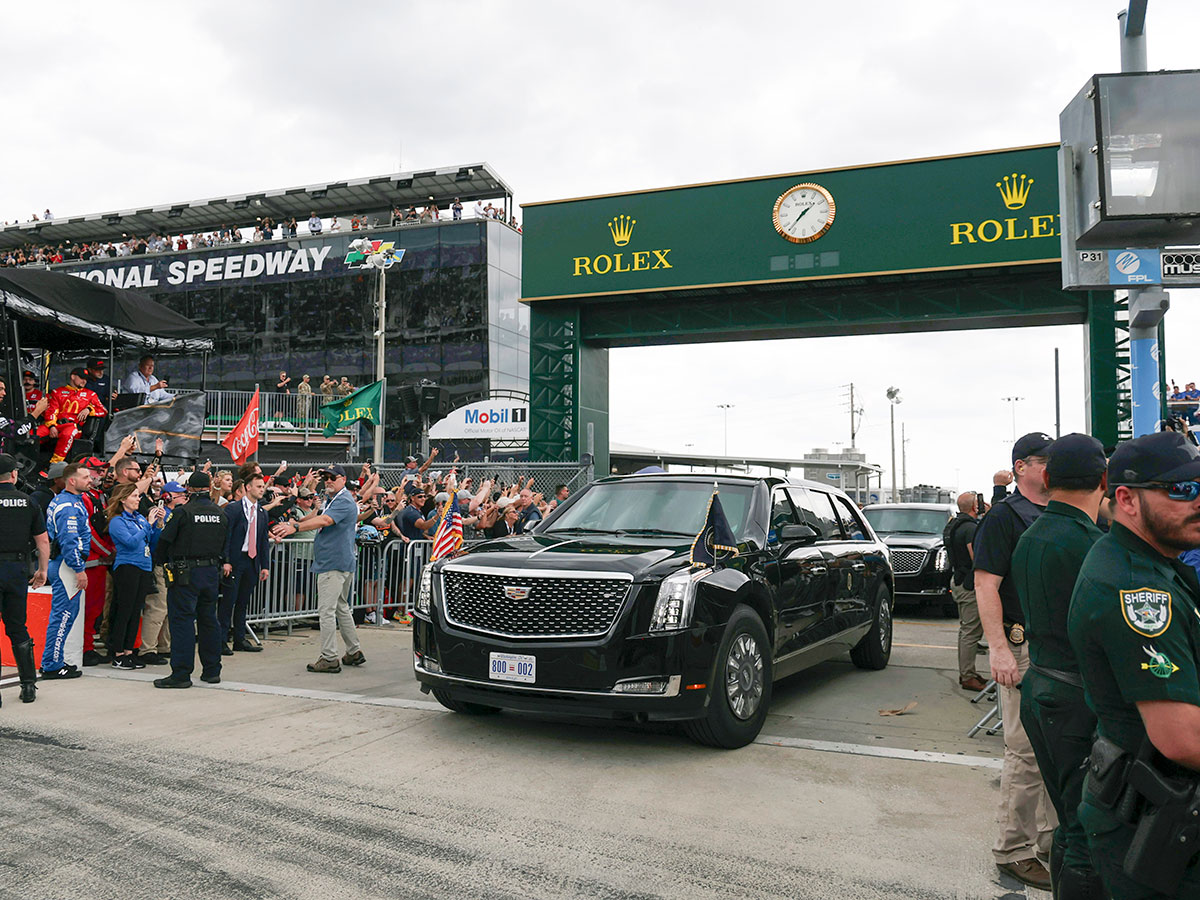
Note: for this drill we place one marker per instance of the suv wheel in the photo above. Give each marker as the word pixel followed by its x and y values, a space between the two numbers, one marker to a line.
pixel 741 692
pixel 462 706
pixel 875 649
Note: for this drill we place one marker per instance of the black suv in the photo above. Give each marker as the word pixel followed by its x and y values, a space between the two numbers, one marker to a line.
pixel 913 532
pixel 600 613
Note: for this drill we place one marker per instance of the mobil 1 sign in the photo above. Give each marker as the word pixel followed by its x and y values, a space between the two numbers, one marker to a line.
pixel 506 420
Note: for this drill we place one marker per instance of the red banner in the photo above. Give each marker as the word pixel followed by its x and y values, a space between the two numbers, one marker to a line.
pixel 242 442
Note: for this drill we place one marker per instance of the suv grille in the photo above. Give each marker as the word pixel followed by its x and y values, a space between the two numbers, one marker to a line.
pixel 532 605
pixel 907 562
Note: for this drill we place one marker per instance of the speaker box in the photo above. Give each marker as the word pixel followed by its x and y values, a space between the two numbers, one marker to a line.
pixel 435 401
pixel 410 400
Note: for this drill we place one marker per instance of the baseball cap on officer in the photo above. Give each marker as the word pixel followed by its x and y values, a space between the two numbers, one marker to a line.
pixel 1075 456
pixel 7 464
pixel 198 481
pixel 1032 444
pixel 1163 457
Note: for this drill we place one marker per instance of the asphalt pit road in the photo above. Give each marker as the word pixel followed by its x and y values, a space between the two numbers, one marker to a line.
pixel 10 734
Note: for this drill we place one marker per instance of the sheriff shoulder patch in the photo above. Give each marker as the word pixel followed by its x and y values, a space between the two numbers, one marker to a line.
pixel 1147 610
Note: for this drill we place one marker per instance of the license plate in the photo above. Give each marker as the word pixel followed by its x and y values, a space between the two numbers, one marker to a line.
pixel 512 667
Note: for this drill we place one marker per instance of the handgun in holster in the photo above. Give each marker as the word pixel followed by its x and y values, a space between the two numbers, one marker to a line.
pixel 178 574
pixel 1167 837
pixel 55 548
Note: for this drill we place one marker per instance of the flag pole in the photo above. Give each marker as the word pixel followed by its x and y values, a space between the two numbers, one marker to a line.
pixel 379 365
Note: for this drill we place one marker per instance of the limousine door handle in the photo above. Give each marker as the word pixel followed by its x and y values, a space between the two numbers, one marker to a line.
pixel 819 570
pixel 859 567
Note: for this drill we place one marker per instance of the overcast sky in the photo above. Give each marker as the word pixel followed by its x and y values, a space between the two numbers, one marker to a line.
pixel 116 105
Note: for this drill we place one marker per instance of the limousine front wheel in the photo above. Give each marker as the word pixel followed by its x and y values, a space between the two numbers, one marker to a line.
pixel 462 706
pixel 875 649
pixel 741 692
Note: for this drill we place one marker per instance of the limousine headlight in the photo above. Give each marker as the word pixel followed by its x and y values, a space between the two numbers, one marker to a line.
pixel 941 562
pixel 425 593
pixel 676 598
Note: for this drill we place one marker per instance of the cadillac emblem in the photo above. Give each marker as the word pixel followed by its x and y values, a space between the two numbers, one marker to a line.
pixel 517 592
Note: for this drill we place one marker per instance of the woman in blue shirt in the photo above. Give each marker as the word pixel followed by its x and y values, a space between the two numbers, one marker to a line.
pixel 134 538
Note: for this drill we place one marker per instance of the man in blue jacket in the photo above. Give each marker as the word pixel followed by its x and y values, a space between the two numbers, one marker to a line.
pixel 246 553
pixel 70 542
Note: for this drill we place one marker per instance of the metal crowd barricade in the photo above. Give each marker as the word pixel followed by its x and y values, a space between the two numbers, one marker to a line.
pixel 386 577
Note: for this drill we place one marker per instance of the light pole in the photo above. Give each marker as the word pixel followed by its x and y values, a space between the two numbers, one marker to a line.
pixel 1013 401
pixel 893 395
pixel 726 407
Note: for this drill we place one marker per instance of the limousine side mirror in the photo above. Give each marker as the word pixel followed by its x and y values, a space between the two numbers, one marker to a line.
pixel 801 533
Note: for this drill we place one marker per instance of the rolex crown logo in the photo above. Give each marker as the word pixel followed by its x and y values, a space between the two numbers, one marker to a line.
pixel 622 229
pixel 1015 192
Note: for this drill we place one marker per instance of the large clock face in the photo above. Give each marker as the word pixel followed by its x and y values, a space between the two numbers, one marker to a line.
pixel 804 213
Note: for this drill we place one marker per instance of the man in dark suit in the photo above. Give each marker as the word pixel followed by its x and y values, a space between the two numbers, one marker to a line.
pixel 246 553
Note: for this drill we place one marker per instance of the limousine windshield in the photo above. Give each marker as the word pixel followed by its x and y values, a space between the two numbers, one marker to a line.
pixel 655 507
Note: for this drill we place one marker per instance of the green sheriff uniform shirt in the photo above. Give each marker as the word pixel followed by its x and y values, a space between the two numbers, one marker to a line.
pixel 1135 628
pixel 1044 567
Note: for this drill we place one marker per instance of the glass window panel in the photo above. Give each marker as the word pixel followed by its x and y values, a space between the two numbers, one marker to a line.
pixel 462 244
pixel 817 510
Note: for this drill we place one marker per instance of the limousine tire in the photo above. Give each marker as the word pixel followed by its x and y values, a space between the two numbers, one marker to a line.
pixel 741 689
pixel 462 706
pixel 875 649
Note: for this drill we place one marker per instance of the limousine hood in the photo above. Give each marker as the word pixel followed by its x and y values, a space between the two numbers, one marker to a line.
pixel 626 555
pixel 924 541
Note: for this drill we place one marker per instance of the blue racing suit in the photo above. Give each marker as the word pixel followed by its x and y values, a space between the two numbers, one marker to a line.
pixel 66 523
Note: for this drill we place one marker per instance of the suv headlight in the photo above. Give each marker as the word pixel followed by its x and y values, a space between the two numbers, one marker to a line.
pixel 940 561
pixel 425 592
pixel 676 599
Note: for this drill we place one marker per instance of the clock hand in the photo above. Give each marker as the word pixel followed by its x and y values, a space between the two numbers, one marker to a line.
pixel 801 216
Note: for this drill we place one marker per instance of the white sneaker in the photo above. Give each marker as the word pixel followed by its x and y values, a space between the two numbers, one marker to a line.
pixel 370 619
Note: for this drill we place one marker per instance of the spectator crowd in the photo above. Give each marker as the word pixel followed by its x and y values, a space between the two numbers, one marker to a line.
pixel 264 229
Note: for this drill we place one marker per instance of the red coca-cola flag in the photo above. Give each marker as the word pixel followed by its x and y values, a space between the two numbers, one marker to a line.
pixel 242 442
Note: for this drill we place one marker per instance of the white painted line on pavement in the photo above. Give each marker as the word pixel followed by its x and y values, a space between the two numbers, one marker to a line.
pixel 278 691
pixel 431 706
pixel 954 759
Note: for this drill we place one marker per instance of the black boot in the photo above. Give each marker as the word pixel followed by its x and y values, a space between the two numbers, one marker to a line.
pixel 26 670
pixel 1057 858
pixel 1080 884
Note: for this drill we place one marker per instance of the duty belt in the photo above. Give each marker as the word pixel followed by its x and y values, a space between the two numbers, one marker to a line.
pixel 17 556
pixel 195 563
pixel 1072 678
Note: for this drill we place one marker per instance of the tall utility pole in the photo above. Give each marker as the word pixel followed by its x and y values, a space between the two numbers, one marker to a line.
pixel 855 416
pixel 1057 399
pixel 893 395
pixel 903 459
pixel 726 407
pixel 1013 401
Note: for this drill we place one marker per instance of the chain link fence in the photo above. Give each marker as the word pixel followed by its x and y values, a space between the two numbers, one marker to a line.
pixel 546 476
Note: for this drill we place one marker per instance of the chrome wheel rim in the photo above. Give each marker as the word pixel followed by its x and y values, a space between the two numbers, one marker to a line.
pixel 744 682
pixel 885 624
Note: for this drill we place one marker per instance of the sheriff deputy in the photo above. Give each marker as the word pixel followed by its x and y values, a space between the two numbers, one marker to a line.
pixel 1135 627
pixel 21 525
pixel 192 543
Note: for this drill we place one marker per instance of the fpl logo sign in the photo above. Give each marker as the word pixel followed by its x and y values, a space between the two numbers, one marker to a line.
pixel 1134 267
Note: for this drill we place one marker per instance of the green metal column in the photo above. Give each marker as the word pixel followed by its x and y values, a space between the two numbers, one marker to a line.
pixel 1101 398
pixel 568 386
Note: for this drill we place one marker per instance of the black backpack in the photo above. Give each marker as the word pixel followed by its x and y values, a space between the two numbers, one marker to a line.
pixel 948 543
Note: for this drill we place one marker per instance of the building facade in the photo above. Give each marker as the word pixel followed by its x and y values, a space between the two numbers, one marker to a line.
pixel 295 306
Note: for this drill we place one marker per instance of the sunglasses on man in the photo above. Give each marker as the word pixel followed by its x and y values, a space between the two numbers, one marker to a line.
pixel 1184 491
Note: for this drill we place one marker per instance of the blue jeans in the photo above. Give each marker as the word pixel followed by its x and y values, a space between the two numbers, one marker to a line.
pixel 192 609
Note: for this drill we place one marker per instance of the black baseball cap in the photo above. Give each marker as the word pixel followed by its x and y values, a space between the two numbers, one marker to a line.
pixel 199 481
pixel 7 464
pixel 1075 456
pixel 81 372
pixel 1164 457
pixel 1032 444
pixel 335 470
pixel 96 363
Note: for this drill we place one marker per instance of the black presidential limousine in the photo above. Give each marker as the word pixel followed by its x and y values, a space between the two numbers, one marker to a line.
pixel 599 612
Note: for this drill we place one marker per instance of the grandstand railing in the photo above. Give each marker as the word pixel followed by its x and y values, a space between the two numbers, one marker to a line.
pixel 282 418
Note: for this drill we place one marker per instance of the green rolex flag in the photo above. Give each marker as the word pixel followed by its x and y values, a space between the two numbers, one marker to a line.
pixel 362 404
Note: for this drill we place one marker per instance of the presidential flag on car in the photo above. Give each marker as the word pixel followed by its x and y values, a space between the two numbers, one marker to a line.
pixel 449 534
pixel 715 543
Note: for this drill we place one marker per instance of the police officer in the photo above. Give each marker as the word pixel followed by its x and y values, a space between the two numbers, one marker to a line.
pixel 192 543
pixel 1056 718
pixel 1135 627
pixel 70 536
pixel 1025 813
pixel 21 522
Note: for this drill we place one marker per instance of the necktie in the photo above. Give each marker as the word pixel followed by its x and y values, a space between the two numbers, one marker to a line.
pixel 252 535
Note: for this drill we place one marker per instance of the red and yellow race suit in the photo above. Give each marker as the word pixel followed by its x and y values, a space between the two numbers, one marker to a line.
pixel 32 398
pixel 68 406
